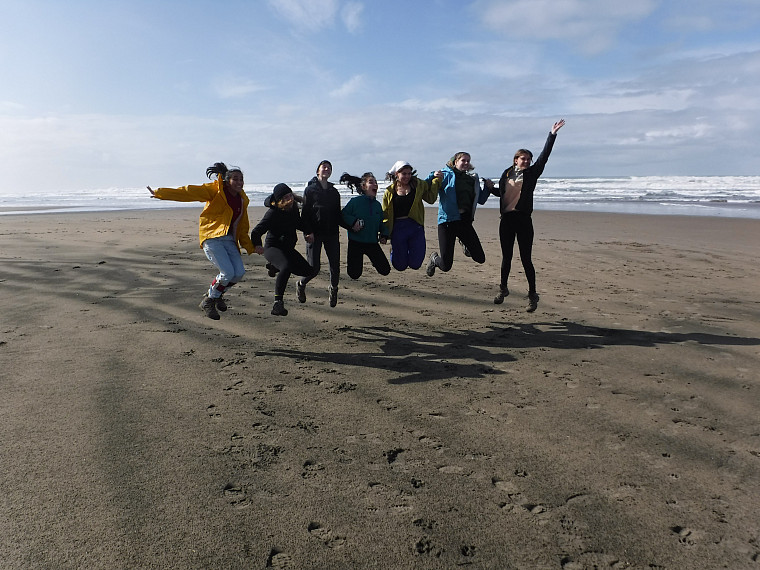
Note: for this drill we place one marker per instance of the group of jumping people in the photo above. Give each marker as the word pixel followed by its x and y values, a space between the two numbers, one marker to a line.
pixel 400 217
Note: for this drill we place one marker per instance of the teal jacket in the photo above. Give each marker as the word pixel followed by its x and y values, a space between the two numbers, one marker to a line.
pixel 365 208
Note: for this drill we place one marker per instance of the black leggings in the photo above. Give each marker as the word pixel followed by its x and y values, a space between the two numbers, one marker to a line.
pixel 288 261
pixel 355 262
pixel 448 232
pixel 519 225
pixel 332 249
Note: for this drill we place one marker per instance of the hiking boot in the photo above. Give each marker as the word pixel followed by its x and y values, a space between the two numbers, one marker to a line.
pixel 208 305
pixel 532 301
pixel 278 309
pixel 221 304
pixel 499 299
pixel 272 270
pixel 432 264
pixel 300 291
pixel 464 249
pixel 333 295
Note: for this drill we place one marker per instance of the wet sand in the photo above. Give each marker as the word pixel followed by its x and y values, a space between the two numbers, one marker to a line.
pixel 415 425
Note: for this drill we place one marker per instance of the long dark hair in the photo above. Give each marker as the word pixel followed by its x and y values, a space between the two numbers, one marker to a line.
pixel 222 171
pixel 354 182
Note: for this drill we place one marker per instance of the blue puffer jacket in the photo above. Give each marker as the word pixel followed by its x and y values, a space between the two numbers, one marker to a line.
pixel 448 210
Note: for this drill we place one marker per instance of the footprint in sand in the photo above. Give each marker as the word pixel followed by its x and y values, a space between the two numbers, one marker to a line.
pixel 213 412
pixel 311 469
pixel 279 559
pixel 424 546
pixel 236 496
pixel 325 535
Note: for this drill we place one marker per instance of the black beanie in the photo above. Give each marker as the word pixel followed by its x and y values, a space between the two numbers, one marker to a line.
pixel 280 191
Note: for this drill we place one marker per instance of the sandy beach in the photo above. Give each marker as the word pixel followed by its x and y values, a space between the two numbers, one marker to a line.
pixel 415 425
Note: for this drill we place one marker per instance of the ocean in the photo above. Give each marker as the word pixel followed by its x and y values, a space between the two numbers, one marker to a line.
pixel 726 196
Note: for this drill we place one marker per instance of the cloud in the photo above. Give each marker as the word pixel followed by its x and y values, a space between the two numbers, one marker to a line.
pixel 353 85
pixel 235 88
pixel 352 16
pixel 591 25
pixel 307 13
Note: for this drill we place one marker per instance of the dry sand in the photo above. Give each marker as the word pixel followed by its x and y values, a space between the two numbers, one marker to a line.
pixel 415 425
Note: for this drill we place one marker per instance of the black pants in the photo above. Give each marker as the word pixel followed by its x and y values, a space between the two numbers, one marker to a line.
pixel 288 261
pixel 314 253
pixel 448 232
pixel 517 225
pixel 356 252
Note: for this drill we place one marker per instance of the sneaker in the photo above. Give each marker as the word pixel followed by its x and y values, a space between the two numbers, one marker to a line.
pixel 464 249
pixel 208 305
pixel 278 309
pixel 272 270
pixel 532 301
pixel 221 304
pixel 333 295
pixel 300 291
pixel 430 269
pixel 499 299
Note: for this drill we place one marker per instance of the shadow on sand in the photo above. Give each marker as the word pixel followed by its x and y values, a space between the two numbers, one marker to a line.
pixel 423 357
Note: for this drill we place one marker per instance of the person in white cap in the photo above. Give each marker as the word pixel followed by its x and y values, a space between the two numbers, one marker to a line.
pixel 404 214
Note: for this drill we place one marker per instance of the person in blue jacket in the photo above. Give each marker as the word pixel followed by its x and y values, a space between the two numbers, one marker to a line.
pixel 515 192
pixel 458 197
pixel 364 216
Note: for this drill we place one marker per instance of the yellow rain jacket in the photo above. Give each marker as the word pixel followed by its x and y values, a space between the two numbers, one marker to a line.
pixel 216 217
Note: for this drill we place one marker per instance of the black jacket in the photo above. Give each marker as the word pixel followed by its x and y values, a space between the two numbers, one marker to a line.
pixel 530 178
pixel 281 227
pixel 322 209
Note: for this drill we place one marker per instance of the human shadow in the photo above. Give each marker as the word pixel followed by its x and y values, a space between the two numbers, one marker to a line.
pixel 423 357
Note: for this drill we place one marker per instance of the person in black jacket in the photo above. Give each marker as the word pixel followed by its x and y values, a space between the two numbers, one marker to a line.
pixel 515 192
pixel 280 223
pixel 322 212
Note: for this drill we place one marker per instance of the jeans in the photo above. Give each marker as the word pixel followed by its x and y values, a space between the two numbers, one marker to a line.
pixel 225 255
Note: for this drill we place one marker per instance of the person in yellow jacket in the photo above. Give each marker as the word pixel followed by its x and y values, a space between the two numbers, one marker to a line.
pixel 404 214
pixel 223 228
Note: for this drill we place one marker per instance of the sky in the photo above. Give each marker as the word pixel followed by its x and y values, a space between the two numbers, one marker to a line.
pixel 100 94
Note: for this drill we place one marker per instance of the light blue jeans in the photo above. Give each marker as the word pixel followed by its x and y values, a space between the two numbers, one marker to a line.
pixel 225 255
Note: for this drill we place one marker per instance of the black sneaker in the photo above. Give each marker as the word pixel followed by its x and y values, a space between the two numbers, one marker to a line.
pixel 272 270
pixel 278 309
pixel 532 302
pixel 499 299
pixel 300 291
pixel 333 295
pixel 430 269
pixel 208 305
pixel 221 304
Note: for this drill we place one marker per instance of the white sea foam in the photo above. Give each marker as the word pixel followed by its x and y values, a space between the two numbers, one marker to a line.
pixel 732 196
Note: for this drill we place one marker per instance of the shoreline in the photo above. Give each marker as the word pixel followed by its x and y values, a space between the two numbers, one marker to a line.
pixel 701 209
pixel 416 424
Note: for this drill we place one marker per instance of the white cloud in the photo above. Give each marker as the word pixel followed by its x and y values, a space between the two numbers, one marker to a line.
pixel 352 16
pixel 353 85
pixel 306 13
pixel 232 89
pixel 592 25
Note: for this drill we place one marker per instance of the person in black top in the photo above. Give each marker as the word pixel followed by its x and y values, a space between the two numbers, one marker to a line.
pixel 280 223
pixel 515 192
pixel 322 212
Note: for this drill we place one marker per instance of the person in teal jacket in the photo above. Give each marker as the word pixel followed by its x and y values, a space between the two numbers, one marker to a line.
pixel 458 198
pixel 364 216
